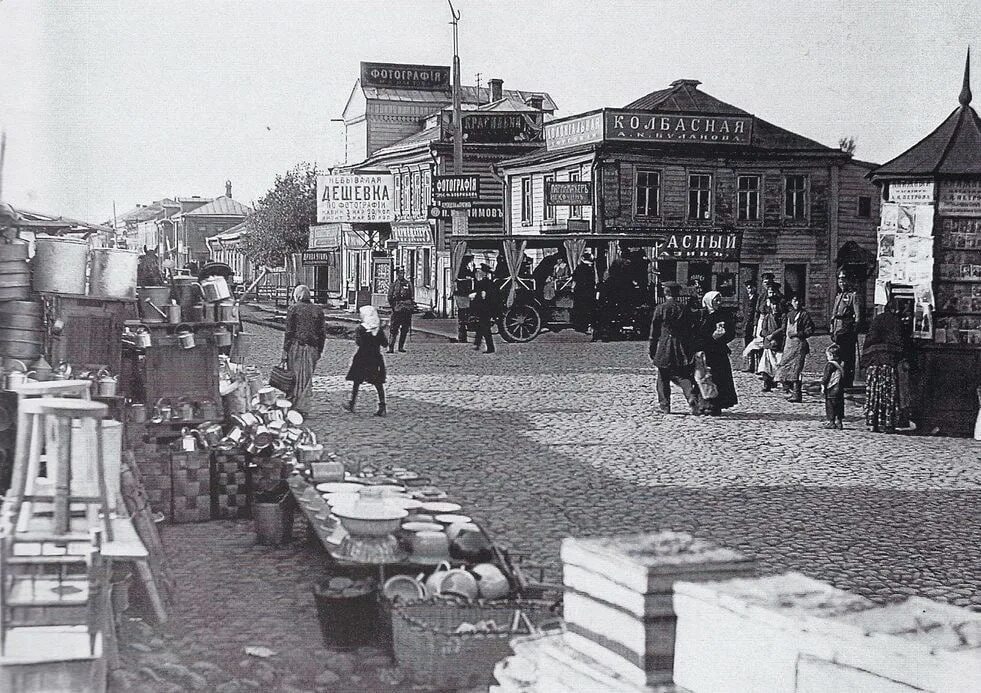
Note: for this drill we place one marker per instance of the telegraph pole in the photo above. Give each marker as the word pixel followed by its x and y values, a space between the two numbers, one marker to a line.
pixel 459 216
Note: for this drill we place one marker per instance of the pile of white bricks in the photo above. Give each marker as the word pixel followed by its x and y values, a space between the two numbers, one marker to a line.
pixel 669 613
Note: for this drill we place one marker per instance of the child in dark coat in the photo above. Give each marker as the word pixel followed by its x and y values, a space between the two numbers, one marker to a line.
pixel 368 364
pixel 834 392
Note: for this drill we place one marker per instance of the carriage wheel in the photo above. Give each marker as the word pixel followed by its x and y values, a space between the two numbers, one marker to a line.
pixel 521 323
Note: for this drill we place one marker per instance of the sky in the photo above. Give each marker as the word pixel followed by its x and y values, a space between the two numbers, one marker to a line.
pixel 119 102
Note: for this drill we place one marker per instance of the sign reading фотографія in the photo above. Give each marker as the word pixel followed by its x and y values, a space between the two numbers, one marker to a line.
pixel 364 198
pixel 456 192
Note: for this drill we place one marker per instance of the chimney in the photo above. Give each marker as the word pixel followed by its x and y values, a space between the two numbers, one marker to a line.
pixel 228 189
pixel 497 89
pixel 536 101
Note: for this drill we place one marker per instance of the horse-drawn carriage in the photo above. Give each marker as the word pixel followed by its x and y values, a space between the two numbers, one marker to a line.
pixel 544 295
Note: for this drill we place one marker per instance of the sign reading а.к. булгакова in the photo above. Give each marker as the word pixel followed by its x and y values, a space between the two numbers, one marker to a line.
pixel 364 198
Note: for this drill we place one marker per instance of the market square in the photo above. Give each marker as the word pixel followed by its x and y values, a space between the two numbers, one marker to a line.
pixel 419 347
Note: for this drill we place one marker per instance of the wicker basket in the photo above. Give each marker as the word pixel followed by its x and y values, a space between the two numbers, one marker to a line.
pixel 425 643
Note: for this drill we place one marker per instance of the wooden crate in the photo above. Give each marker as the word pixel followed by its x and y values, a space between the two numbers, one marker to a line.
pixel 171 372
pixel 91 332
pixel 191 480
pixel 231 487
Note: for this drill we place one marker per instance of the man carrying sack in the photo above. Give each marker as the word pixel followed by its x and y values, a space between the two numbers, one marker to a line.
pixel 401 299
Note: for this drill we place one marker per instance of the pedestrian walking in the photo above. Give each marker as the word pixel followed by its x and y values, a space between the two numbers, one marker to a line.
pixel 883 351
pixel 583 293
pixel 797 327
pixel 401 299
pixel 834 393
pixel 750 319
pixel 770 322
pixel 846 316
pixel 303 344
pixel 713 333
pixel 485 305
pixel 671 349
pixel 368 364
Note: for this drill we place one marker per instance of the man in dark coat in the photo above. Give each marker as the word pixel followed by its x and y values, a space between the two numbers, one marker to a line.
pixel 671 349
pixel 485 306
pixel 401 298
pixel 752 317
pixel 846 316
pixel 583 293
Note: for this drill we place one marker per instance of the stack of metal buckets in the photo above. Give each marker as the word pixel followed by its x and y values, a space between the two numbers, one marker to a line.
pixel 21 320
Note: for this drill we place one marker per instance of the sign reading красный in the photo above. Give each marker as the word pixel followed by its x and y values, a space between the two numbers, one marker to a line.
pixel 359 198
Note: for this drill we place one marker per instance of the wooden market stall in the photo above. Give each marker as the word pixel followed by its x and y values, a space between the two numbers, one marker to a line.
pixel 929 256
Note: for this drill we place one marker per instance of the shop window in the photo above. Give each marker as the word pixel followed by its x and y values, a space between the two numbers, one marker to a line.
pixel 699 196
pixel 864 206
pixel 575 211
pixel 748 198
pixel 647 191
pixel 526 201
pixel 795 197
pixel 549 213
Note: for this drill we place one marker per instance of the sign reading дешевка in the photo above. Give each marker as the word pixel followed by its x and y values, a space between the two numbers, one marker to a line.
pixel 356 197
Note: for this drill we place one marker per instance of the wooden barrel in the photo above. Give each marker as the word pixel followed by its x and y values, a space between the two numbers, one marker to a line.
pixel 13 251
pixel 21 329
pixel 21 308
pixel 15 277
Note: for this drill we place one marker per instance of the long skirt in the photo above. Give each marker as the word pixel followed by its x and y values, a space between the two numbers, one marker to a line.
pixel 302 360
pixel 769 362
pixel 795 350
pixel 882 397
pixel 721 370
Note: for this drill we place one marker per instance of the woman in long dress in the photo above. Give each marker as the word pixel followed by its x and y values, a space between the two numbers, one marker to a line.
pixel 368 364
pixel 797 328
pixel 713 334
pixel 882 353
pixel 303 344
pixel 768 330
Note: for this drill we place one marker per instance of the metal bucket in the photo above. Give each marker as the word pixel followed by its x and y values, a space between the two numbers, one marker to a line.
pixel 59 265
pixel 113 273
pixel 215 289
pixel 187 293
pixel 185 337
pixel 227 311
pixel 150 296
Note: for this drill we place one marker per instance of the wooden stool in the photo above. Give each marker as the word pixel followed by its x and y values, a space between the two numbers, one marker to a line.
pixel 63 411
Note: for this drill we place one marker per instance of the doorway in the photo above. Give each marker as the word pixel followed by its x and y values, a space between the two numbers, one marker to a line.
pixel 795 281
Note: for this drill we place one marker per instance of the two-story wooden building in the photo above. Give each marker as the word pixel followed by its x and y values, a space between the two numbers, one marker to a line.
pixel 723 196
pixel 398 120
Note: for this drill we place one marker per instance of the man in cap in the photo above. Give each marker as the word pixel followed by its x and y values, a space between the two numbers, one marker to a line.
pixel 485 306
pixel 401 299
pixel 671 349
pixel 752 316
pixel 846 316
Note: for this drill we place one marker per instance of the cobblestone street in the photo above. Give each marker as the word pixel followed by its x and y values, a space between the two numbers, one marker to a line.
pixel 556 438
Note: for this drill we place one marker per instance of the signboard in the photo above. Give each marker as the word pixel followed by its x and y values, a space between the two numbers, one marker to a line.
pixel 496 127
pixel 569 193
pixel 381 275
pixel 319 257
pixel 456 188
pixel 585 129
pixel 397 76
pixel 912 193
pixel 416 234
pixel 477 212
pixel 634 126
pixel 324 236
pixel 356 198
pixel 960 198
pixel 682 243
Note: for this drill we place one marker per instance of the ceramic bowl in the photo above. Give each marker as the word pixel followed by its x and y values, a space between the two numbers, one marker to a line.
pixel 455 528
pixel 406 503
pixel 370 520
pixel 451 519
pixel 441 507
pixel 421 527
pixel 430 547
pixel 460 583
pixel 339 499
pixel 404 588
pixel 491 582
pixel 338 487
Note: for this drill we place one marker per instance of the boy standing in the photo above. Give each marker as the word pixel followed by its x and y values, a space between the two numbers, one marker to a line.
pixel 833 386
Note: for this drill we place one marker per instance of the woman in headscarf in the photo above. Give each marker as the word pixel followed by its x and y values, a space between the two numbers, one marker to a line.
pixel 884 349
pixel 713 333
pixel 797 327
pixel 368 364
pixel 303 344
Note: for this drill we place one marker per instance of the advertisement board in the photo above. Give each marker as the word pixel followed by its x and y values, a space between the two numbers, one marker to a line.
pixel 356 198
pixel 571 132
pixel 398 76
pixel 324 236
pixel 911 193
pixel 477 212
pixel 568 193
pixel 633 126
pixel 464 188
pixel 960 198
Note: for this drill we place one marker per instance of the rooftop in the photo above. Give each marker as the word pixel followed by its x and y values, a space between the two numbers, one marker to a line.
pixel 954 148
pixel 221 207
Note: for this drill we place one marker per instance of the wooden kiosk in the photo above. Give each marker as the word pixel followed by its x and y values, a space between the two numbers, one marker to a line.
pixel 930 253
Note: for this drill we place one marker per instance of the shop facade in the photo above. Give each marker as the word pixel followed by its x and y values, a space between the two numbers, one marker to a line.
pixel 724 196
pixel 404 127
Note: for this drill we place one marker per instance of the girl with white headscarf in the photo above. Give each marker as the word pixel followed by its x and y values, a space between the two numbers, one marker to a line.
pixel 368 364
pixel 303 343
pixel 713 332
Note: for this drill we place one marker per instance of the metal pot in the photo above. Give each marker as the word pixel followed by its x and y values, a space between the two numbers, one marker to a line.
pixel 223 338
pixel 268 396
pixel 185 411
pixel 185 337
pixel 227 311
pixel 306 453
pixel 262 436
pixel 209 410
pixel 246 419
pixel 137 413
pixel 106 385
pixel 195 312
pixel 211 434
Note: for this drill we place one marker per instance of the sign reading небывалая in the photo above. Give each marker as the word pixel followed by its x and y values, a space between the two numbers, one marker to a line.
pixel 614 125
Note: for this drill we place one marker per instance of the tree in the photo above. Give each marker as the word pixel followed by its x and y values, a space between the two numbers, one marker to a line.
pixel 280 224
pixel 847 145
